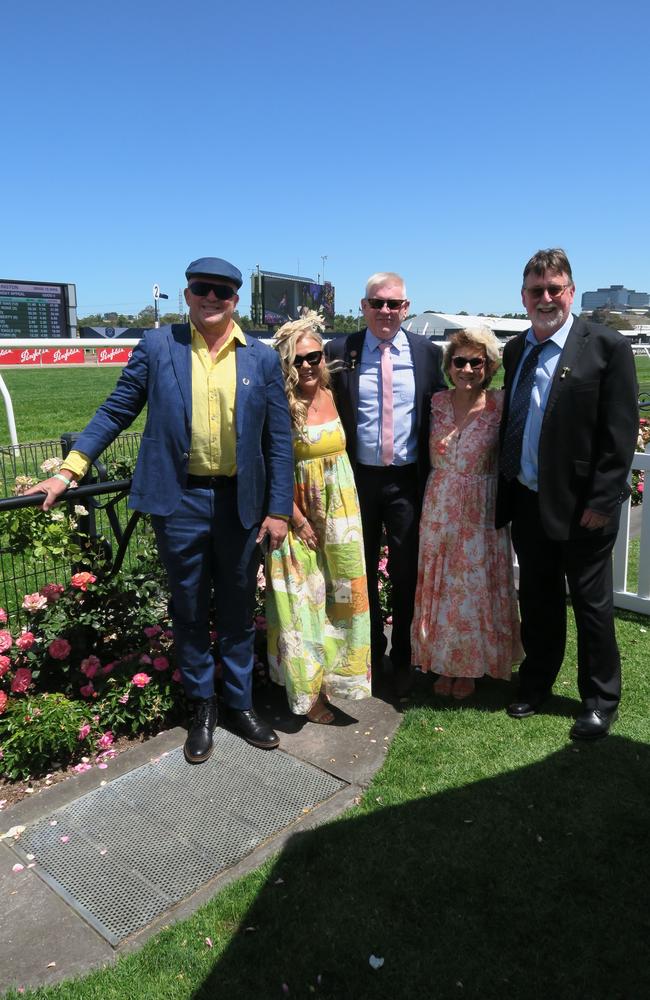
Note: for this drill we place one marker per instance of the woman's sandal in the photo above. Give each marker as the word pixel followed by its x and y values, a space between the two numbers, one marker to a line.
pixel 442 686
pixel 321 713
pixel 463 688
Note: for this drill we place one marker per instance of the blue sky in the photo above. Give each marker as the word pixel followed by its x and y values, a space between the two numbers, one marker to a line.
pixel 448 144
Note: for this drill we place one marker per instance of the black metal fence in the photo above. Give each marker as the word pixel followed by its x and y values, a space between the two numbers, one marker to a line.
pixel 116 534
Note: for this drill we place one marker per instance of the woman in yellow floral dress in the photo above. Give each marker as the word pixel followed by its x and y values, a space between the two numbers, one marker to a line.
pixel 316 592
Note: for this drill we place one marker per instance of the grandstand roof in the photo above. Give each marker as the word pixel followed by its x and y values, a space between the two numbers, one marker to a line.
pixel 437 324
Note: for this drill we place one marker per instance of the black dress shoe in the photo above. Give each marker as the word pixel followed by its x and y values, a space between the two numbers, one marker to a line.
pixel 403 680
pixel 593 724
pixel 524 709
pixel 198 745
pixel 246 723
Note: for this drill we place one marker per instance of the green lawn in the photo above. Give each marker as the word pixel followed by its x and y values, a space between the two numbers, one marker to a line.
pixel 490 858
pixel 49 402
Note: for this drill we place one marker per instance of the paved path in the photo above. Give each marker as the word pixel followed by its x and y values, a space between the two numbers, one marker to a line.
pixel 44 939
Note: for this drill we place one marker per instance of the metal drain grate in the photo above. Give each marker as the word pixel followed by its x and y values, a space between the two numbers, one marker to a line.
pixel 148 839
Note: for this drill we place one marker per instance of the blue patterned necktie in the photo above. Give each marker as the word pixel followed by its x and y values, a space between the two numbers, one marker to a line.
pixel 510 459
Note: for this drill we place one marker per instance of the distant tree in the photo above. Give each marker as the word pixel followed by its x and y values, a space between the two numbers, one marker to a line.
pixel 608 318
pixel 514 316
pixel 463 312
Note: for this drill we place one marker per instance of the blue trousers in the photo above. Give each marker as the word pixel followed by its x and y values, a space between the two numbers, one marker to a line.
pixel 204 547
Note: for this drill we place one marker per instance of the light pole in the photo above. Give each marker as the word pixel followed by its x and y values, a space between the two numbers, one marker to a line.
pixel 323 258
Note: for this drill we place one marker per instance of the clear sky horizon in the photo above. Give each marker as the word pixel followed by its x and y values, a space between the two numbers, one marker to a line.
pixel 447 145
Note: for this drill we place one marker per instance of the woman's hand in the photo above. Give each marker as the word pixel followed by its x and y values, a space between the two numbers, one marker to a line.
pixel 306 534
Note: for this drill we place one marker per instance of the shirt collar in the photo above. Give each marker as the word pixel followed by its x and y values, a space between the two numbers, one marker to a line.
pixel 235 334
pixel 397 342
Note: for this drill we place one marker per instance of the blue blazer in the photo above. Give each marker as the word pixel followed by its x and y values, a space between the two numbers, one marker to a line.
pixel 158 375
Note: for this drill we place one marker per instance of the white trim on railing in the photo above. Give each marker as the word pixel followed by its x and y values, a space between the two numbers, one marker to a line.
pixel 638 600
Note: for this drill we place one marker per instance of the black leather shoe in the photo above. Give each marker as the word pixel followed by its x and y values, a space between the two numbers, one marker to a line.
pixel 246 723
pixel 524 709
pixel 198 745
pixel 593 724
pixel 403 680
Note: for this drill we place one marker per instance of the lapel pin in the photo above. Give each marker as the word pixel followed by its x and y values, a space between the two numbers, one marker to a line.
pixel 246 381
pixel 565 372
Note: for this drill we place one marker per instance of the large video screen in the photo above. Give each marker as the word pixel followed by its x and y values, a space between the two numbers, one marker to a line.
pixel 30 309
pixel 284 299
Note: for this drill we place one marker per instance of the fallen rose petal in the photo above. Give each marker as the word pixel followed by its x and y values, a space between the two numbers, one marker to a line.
pixel 375 963
pixel 18 868
pixel 102 766
pixel 51 965
pixel 30 857
pixel 208 941
pixel 64 840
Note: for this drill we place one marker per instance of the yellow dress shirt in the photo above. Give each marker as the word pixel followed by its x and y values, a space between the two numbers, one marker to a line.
pixel 214 435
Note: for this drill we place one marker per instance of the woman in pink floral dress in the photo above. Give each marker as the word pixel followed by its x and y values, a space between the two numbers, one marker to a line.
pixel 466 623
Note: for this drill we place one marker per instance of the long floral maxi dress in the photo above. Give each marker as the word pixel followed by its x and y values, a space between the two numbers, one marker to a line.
pixel 317 602
pixel 466 622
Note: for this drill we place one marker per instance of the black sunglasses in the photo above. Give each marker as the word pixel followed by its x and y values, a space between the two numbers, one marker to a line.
pixel 554 291
pixel 203 288
pixel 312 359
pixel 380 303
pixel 459 362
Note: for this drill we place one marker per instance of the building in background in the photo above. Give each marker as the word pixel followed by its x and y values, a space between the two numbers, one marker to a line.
pixel 438 326
pixel 615 297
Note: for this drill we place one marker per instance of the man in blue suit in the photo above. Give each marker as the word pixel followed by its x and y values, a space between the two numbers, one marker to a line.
pixel 215 472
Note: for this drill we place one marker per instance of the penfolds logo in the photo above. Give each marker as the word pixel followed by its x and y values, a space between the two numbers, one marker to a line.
pixel 26 356
pixel 108 353
pixel 65 354
pixel 4 351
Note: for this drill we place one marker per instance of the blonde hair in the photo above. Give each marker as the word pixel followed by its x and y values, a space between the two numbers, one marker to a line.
pixel 481 337
pixel 310 324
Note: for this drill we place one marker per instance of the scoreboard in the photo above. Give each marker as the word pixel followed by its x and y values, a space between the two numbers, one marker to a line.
pixel 42 310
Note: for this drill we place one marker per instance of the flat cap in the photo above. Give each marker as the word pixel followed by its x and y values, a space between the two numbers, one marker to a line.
pixel 216 268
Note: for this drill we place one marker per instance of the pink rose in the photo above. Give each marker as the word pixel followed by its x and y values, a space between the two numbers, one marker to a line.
pixel 90 666
pixel 5 663
pixel 25 641
pixel 59 649
pixel 83 732
pixel 3 616
pixel 81 580
pixel 108 668
pixel 22 680
pixel 52 592
pixel 145 660
pixel 34 602
pixel 6 642
pixel 151 631
pixel 3 701
pixel 125 697
pixel 140 680
pixel 105 740
pixel 177 676
pixel 161 663
pixel 639 487
pixel 87 691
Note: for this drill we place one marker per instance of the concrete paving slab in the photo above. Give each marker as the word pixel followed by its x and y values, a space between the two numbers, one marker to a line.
pixel 37 927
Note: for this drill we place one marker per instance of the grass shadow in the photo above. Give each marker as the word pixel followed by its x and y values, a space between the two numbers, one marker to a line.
pixel 530 884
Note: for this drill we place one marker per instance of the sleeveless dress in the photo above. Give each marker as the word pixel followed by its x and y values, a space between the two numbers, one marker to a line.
pixel 466 622
pixel 318 621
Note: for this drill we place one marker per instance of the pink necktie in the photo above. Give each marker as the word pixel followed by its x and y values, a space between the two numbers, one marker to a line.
pixel 387 443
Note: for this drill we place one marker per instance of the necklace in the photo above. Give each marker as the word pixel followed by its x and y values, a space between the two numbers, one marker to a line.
pixel 314 405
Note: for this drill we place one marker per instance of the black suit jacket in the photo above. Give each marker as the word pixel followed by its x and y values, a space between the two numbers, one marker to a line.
pixel 345 355
pixel 589 430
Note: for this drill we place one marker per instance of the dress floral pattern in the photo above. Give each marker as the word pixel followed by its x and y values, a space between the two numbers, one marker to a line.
pixel 317 602
pixel 466 622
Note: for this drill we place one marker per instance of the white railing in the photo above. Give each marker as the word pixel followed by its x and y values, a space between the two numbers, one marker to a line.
pixel 630 600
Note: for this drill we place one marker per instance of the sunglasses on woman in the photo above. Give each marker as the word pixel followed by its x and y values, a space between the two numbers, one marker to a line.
pixel 312 359
pixel 459 362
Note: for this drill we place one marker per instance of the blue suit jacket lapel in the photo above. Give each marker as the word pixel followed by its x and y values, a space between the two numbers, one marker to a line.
pixel 181 356
pixel 246 368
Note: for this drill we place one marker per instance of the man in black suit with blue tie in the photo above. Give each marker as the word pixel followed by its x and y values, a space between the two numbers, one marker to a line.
pixel 568 435
pixel 383 378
